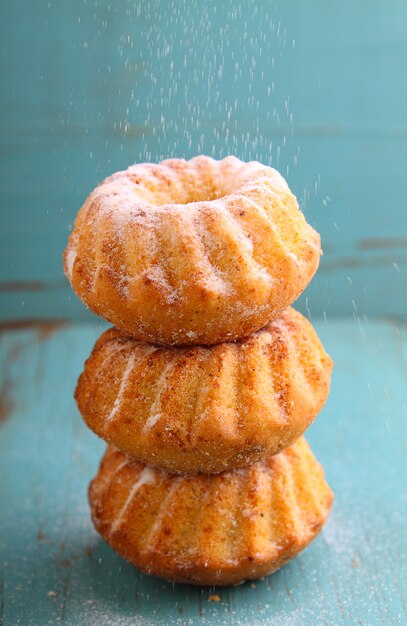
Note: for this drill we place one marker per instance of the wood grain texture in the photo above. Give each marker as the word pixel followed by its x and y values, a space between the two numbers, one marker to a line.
pixel 55 570
pixel 108 84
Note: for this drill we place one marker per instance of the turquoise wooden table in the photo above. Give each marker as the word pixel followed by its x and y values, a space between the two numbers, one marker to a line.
pixel 55 569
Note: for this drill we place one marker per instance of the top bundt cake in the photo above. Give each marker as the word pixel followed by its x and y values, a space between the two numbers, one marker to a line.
pixel 191 252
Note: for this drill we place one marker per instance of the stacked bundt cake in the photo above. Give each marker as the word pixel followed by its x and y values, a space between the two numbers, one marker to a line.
pixel 209 379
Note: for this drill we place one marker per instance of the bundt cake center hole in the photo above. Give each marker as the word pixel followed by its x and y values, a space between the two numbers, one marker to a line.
pixel 160 198
pixel 206 195
pixel 188 195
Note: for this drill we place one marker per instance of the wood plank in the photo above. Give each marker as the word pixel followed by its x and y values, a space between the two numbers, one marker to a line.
pixel 55 570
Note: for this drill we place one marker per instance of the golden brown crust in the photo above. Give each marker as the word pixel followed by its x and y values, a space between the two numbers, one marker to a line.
pixel 209 409
pixel 211 529
pixel 191 252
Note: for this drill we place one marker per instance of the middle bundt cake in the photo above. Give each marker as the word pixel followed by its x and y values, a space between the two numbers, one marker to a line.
pixel 191 252
pixel 206 409
pixel 217 529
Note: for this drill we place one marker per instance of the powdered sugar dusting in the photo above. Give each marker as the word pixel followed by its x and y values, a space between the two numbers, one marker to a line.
pixel 70 260
pixel 126 374
pixel 129 368
pixel 113 350
pixel 295 258
pixel 176 482
pixel 215 280
pixel 155 274
pixel 155 410
pixel 245 244
pixel 146 477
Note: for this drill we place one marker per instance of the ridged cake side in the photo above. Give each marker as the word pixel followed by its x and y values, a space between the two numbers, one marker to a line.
pixel 206 409
pixel 211 530
pixel 191 252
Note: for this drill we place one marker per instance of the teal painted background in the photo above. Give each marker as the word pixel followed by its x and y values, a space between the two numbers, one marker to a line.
pixel 317 89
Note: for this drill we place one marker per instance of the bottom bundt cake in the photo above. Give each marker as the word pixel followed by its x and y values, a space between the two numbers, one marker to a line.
pixel 211 529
